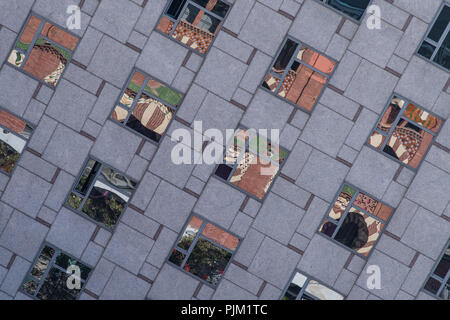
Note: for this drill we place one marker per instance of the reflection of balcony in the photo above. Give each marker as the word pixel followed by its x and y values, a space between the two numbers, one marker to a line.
pixel 196 30
pixel 193 36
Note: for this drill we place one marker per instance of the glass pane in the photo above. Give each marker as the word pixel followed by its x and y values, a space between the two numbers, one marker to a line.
pixel 316 60
pixel 342 202
pixel 13 123
pixel 163 92
pixel 28 33
pixel 321 292
pixel 432 285
pixel 74 201
pixel 64 261
pixel 220 236
pixel 123 186
pixel 352 8
pixel 207 261
pixel 177 257
pixel 30 286
pixel 175 8
pixel 295 287
pixel 42 263
pixel 264 147
pixel 422 118
pixel 55 287
pixel 11 147
pixel 223 171
pixel 87 176
pixel 284 57
pixel 59 36
pixel 426 50
pixel 376 139
pixel 440 24
pixel 328 228
pixel 218 7
pixel 119 114
pixel 445 293
pixel 190 233
pixel 444 264
pixel 443 55
pixel 391 114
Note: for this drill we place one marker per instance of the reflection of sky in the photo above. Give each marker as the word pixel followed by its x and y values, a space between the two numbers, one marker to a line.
pixel 299 279
pixel 322 292
pixel 13 140
pixel 106 187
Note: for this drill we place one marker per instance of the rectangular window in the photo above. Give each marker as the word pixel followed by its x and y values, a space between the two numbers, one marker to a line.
pixel 436 45
pixel 146 106
pixel 14 135
pixel 204 250
pixel 405 132
pixel 55 276
pixel 299 74
pixel 438 283
pixel 251 163
pixel 194 23
pixel 355 220
pixel 302 287
pixel 43 50
pixel 352 8
pixel 101 193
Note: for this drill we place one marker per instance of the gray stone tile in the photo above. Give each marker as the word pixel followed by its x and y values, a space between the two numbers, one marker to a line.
pixel 161 248
pixel 233 46
pixel 362 128
pixel 34 112
pixel 168 282
pixel 249 246
pixel 15 276
pixel 67 150
pixel 23 235
pixel 418 274
pixel 92 254
pixel 103 107
pixel 415 7
pixel 322 133
pixel 402 217
pixel 70 105
pixel 241 224
pixel 345 282
pixel 37 166
pixel 395 249
pixel 238 15
pixel 26 192
pixel 100 276
pixel 172 213
pixel 345 70
pixel 311 220
pixel 59 190
pixel 394 194
pixel 243 278
pixel 221 83
pixel 116 146
pixel 169 54
pixel 274 263
pixel 116 18
pixel 339 103
pixel 63 236
pixel 229 291
pixel 324 259
pixel 264 29
pixel 372 172
pixel 124 286
pixel 13 14
pixel 128 248
pixel 87 46
pixel 150 15
pixel 112 61
pixel 255 71
pixel 315 24
pixel 140 222
pixel 291 192
pixel 427 233
pixel 278 218
pixel 411 38
pixel 322 175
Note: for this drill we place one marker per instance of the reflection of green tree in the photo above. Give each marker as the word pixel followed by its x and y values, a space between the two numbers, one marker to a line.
pixel 8 157
pixel 207 261
pixel 74 201
pixel 103 208
pixel 186 241
pixel 64 261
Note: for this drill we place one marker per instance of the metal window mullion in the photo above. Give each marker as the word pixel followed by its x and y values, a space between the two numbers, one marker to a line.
pixel 370 214
pixel 216 243
pixel 175 23
pixel 159 99
pixel 205 10
pixel 312 68
pixel 88 192
pixel 138 96
pixel 35 37
pixel 56 44
pixel 14 133
pixel 419 125
pixel 441 41
pixel 181 250
pixel 239 158
pixel 432 42
pixel 444 282
pixel 302 291
pixel 344 215
pixel 193 244
pixel 288 66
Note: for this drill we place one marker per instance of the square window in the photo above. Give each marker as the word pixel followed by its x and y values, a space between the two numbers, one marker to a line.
pixel 14 135
pixel 436 45
pixel 302 287
pixel 55 276
pixel 194 23
pixel 438 283
pixel 405 132
pixel 43 50
pixel 356 220
pixel 299 74
pixel 352 8
pixel 146 106
pixel 101 193
pixel 251 163
pixel 204 250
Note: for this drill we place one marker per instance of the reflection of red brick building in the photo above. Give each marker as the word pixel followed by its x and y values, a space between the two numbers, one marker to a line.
pixel 214 233
pixel 11 122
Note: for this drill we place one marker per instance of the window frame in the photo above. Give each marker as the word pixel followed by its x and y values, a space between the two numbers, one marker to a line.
pixel 198 236
pixel 431 275
pixel 138 96
pixel 291 61
pixel 227 145
pixel 25 148
pixel 346 16
pixel 32 44
pixel 91 186
pixel 177 21
pixel 52 264
pixel 432 42
pixel 302 291
pixel 391 130
pixel 344 215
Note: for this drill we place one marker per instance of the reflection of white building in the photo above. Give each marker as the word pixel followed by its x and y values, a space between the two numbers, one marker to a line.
pixel 106 187
pixel 14 141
